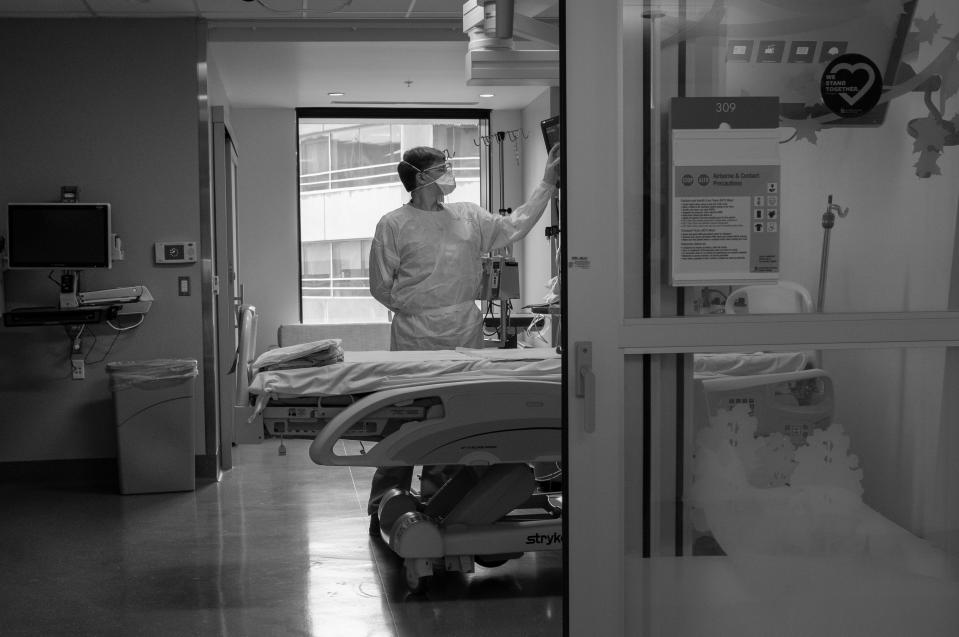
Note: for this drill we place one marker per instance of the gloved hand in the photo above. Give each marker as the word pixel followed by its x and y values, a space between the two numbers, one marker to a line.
pixel 552 172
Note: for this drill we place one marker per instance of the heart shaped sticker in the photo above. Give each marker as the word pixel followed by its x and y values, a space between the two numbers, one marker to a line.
pixel 851 70
pixel 851 85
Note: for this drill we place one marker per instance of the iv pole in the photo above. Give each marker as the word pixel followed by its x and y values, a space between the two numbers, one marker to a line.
pixel 503 210
pixel 505 253
pixel 504 303
pixel 828 221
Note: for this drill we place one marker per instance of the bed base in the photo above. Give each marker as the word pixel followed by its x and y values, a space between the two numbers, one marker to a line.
pixel 484 516
pixel 491 510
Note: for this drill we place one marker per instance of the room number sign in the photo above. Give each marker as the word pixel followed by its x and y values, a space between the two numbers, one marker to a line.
pixel 725 190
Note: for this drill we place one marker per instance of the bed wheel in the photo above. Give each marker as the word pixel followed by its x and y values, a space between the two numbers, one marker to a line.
pixel 489 563
pixel 492 561
pixel 394 504
pixel 417 583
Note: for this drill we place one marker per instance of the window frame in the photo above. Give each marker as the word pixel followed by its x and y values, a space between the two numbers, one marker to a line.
pixel 481 115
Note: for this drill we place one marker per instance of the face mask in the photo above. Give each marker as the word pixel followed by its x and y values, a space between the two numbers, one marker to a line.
pixel 445 182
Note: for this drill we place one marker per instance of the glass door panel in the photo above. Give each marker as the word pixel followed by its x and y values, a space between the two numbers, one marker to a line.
pixel 793 474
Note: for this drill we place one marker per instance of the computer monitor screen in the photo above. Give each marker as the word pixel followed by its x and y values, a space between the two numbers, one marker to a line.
pixel 67 236
pixel 551 129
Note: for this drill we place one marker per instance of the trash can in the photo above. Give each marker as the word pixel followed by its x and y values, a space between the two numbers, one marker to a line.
pixel 154 406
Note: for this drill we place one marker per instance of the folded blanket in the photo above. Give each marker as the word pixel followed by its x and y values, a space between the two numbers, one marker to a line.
pixel 313 354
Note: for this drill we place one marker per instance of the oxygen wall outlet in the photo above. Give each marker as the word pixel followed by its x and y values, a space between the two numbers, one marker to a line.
pixel 78 369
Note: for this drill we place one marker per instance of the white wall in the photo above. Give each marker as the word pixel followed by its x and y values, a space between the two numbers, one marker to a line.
pixel 109 106
pixel 889 254
pixel 267 192
pixel 215 90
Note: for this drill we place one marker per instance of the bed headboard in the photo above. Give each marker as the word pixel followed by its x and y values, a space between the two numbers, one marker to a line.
pixel 353 336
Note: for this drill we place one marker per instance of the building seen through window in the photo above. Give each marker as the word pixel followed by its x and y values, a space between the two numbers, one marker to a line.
pixel 347 181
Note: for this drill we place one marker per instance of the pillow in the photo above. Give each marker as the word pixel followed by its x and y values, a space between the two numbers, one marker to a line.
pixel 313 354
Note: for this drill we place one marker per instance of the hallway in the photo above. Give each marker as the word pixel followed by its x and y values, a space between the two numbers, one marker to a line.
pixel 278 547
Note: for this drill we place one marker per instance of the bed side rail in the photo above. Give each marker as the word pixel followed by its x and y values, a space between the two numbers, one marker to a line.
pixel 245 355
pixel 478 422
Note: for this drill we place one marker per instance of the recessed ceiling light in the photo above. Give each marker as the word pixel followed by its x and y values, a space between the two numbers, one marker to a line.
pixel 336 94
pixel 487 94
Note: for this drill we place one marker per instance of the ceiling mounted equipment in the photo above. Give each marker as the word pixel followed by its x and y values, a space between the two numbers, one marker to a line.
pixel 502 34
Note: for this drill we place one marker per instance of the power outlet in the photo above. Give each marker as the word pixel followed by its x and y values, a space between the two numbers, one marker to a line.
pixel 78 369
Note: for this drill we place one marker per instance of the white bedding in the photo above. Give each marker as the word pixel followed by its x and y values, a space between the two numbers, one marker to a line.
pixel 312 354
pixel 369 371
pixel 364 372
pixel 750 364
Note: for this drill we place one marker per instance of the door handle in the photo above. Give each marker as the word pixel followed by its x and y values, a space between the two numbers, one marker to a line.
pixel 238 306
pixel 586 383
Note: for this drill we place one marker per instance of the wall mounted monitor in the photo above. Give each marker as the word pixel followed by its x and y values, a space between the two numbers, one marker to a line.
pixel 64 236
pixel 551 130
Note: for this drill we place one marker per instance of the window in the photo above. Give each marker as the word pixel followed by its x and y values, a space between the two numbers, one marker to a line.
pixel 348 180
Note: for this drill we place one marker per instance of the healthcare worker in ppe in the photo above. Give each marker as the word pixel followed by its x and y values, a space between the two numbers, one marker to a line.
pixel 426 267
pixel 425 258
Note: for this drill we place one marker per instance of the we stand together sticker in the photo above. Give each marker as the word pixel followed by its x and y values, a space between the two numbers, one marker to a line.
pixel 851 85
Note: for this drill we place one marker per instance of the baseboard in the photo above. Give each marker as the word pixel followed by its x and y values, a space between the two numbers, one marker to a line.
pixel 87 471
pixel 207 468
pixel 83 471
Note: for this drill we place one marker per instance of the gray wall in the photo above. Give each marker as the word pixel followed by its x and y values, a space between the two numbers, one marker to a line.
pixel 109 106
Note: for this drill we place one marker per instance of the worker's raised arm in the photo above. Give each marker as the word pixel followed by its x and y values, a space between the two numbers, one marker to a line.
pixel 500 231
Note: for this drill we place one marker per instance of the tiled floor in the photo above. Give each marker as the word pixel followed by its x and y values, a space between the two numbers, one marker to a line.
pixel 278 547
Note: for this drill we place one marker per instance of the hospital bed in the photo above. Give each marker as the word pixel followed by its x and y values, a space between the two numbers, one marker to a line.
pixel 492 412
pixel 780 537
pixel 773 476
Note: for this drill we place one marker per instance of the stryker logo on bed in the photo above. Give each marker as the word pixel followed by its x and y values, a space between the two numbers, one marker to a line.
pixel 548 540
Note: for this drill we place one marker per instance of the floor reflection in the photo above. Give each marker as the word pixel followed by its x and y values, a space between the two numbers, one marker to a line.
pixel 278 547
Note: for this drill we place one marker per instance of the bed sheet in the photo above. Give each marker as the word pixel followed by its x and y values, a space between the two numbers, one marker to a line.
pixel 368 371
pixel 753 364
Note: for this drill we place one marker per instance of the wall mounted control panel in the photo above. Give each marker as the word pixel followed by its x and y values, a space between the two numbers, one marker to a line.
pixel 174 252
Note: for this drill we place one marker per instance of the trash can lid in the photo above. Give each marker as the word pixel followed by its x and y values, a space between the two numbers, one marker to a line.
pixel 158 365
pixel 124 374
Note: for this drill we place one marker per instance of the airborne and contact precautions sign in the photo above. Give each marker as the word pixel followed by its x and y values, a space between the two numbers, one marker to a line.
pixel 726 206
